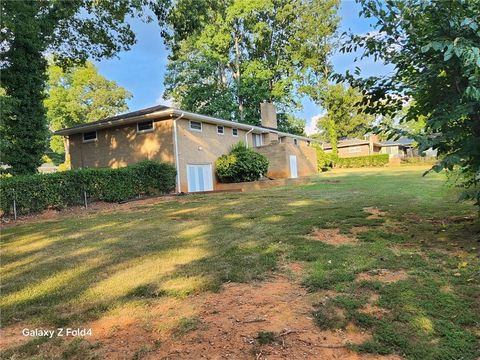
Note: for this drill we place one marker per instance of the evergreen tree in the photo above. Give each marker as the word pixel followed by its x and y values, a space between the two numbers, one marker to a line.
pixel 72 31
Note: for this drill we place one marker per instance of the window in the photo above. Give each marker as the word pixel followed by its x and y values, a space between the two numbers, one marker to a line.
pixel 295 141
pixel 90 136
pixel 220 130
pixel 354 149
pixel 235 132
pixel 145 126
pixel 195 125
pixel 392 150
pixel 257 140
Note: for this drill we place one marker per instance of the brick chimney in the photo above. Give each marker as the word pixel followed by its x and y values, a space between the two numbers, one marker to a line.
pixel 268 113
pixel 373 138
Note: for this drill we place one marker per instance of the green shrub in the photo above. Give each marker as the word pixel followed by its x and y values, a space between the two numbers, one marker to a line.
pixel 240 165
pixel 325 161
pixel 362 161
pixel 34 193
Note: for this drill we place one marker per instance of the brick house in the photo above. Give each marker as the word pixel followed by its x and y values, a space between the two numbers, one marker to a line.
pixel 355 147
pixel 403 147
pixel 190 141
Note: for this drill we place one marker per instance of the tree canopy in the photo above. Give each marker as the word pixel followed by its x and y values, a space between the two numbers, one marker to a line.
pixel 71 31
pixel 344 117
pixel 228 57
pixel 80 95
pixel 434 47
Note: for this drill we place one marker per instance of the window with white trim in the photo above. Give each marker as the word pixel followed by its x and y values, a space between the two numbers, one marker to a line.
pixel 257 140
pixel 145 126
pixel 195 125
pixel 235 132
pixel 90 136
pixel 220 130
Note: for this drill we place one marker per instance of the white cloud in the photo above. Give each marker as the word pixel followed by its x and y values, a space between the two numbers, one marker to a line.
pixel 311 125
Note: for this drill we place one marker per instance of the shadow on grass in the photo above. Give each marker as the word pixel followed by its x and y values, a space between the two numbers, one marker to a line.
pixel 75 270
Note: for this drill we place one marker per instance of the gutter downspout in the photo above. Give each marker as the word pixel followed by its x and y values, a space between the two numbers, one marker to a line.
pixel 175 140
pixel 246 136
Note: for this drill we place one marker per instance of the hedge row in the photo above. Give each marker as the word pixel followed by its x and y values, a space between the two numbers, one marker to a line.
pixel 34 193
pixel 362 161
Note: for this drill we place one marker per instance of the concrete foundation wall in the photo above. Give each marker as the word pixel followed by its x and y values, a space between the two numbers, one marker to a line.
pixel 262 184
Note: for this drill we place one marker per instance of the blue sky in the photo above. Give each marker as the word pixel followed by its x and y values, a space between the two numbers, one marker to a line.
pixel 141 69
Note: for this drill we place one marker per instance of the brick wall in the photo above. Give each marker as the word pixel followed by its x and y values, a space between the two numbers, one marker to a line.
pixel 203 147
pixel 279 159
pixel 122 146
pixel 352 151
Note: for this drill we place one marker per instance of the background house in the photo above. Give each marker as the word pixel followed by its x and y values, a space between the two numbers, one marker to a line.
pixel 190 141
pixel 401 148
pixel 354 147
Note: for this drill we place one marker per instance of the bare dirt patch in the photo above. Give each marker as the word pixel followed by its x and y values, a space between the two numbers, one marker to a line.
pixel 359 229
pixel 295 267
pixel 332 237
pixel 374 310
pixel 12 335
pixel 383 275
pixel 447 289
pixel 374 212
pixel 230 324
pixel 235 320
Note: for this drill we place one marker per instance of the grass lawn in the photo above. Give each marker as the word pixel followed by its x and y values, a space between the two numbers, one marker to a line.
pixel 72 271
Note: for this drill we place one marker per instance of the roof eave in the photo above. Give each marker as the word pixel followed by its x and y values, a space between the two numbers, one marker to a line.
pixel 113 123
pixel 171 112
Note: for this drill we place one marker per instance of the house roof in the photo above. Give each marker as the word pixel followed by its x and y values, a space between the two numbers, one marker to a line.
pixel 403 141
pixel 347 142
pixel 162 112
pixel 113 120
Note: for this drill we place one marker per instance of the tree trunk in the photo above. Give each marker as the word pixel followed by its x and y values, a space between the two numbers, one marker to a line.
pixel 237 74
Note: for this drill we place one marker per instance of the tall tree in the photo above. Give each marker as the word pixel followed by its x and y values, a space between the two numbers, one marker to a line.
pixel 72 30
pixel 80 95
pixel 228 57
pixel 344 117
pixel 434 47
pixel 290 124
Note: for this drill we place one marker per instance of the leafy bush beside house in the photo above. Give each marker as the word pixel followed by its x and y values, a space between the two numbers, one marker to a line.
pixel 362 161
pixel 325 161
pixel 33 193
pixel 242 164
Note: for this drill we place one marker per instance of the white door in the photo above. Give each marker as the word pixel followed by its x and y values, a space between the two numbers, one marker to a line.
pixel 199 177
pixel 293 166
